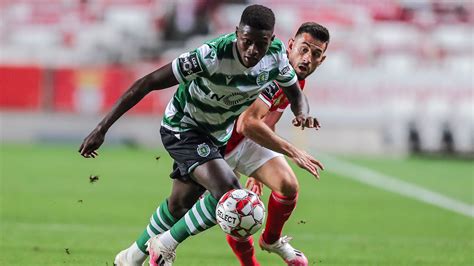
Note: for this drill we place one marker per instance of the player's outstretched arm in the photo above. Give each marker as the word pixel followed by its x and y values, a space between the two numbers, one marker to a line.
pixel 251 124
pixel 300 107
pixel 160 79
pixel 272 118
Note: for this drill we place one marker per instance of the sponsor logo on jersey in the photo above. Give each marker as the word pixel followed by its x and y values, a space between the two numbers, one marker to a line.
pixel 189 64
pixel 235 98
pixel 203 150
pixel 270 91
pixel 262 78
pixel 231 99
pixel 284 70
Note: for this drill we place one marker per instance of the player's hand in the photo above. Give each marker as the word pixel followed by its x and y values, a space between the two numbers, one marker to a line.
pixel 307 162
pixel 91 144
pixel 254 185
pixel 303 121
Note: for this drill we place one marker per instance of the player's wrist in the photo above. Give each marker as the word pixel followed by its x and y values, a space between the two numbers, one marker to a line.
pixel 101 129
pixel 290 150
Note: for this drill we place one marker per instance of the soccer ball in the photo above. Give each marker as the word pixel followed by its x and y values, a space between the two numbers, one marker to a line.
pixel 240 213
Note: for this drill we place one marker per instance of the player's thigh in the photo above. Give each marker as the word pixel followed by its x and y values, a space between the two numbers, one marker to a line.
pixel 250 156
pixel 216 176
pixel 197 159
pixel 277 175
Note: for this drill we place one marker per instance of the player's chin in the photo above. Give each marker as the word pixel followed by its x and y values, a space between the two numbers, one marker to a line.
pixel 301 74
pixel 250 61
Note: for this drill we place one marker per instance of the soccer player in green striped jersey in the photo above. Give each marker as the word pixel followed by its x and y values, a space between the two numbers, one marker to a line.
pixel 217 82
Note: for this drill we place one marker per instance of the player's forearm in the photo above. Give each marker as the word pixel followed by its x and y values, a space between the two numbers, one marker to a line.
pixel 160 79
pixel 299 102
pixel 129 99
pixel 262 134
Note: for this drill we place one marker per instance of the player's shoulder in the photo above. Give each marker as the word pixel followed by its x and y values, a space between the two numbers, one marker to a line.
pixel 222 45
pixel 277 47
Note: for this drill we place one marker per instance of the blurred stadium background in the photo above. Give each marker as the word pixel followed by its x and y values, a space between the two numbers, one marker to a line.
pixel 398 81
pixel 398 76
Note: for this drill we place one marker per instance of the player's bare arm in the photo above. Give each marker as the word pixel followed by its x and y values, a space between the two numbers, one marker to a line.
pixel 251 124
pixel 300 107
pixel 160 79
pixel 272 118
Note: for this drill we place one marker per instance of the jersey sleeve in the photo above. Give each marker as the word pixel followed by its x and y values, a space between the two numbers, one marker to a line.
pixel 268 94
pixel 282 107
pixel 201 62
pixel 287 75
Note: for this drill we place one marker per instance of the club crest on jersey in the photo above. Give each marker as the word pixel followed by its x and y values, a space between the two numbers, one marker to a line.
pixel 203 150
pixel 262 78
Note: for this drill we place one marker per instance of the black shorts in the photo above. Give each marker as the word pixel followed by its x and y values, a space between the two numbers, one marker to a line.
pixel 189 149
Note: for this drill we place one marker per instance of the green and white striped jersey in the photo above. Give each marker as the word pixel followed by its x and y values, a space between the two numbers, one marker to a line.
pixel 215 87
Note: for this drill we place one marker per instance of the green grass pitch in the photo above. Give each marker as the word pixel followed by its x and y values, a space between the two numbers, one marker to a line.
pixel 50 214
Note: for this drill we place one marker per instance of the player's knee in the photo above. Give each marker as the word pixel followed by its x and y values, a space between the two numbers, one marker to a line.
pixel 230 184
pixel 178 208
pixel 289 186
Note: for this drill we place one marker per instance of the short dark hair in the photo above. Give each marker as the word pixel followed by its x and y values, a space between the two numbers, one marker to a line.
pixel 258 17
pixel 316 30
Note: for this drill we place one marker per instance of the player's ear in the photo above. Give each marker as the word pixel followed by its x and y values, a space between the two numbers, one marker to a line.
pixel 322 59
pixel 236 30
pixel 290 43
pixel 273 37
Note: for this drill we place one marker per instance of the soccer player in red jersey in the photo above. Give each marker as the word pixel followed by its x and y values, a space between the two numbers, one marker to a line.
pixel 306 51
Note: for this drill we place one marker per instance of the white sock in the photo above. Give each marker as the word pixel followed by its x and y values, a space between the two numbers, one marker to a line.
pixel 168 241
pixel 135 255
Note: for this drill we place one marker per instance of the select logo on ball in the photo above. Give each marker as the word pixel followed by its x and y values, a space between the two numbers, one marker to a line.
pixel 230 218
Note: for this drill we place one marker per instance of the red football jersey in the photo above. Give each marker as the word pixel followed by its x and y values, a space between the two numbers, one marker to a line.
pixel 275 98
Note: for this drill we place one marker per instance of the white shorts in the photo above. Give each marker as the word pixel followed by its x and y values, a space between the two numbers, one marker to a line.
pixel 248 156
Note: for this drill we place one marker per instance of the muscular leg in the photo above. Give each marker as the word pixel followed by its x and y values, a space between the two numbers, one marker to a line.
pixel 279 177
pixel 183 196
pixel 194 214
pixel 216 176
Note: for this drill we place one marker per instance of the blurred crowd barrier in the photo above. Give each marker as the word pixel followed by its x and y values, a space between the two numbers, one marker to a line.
pixel 398 76
pixel 79 90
